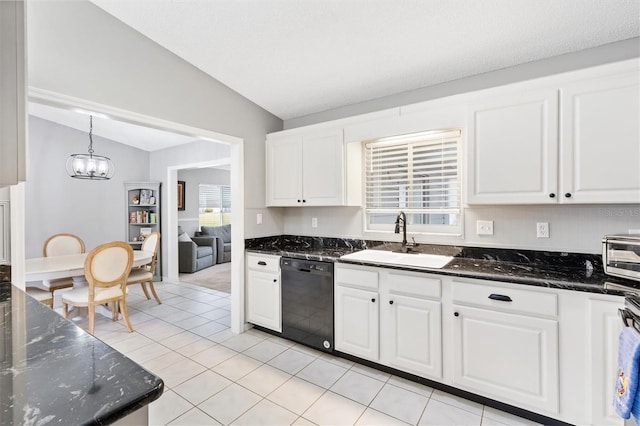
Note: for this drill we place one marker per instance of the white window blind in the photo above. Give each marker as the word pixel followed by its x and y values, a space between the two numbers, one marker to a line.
pixel 215 204
pixel 418 174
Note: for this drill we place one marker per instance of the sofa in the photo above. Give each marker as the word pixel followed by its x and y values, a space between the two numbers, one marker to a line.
pixel 222 234
pixel 195 253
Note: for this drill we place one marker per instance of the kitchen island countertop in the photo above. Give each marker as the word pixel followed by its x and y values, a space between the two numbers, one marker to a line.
pixel 53 372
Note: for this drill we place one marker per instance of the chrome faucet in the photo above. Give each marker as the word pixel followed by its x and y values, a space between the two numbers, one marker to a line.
pixel 402 218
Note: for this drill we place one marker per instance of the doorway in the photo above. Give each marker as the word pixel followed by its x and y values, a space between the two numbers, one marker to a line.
pixel 170 252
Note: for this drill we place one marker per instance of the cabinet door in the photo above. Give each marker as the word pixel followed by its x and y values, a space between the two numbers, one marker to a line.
pixel 411 335
pixel 284 171
pixel 601 141
pixel 356 322
pixel 605 327
pixel 323 169
pixel 513 149
pixel 263 300
pixel 513 358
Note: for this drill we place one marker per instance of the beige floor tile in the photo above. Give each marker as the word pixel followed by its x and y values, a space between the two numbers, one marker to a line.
pixel 409 385
pixel 191 322
pixel 357 387
pixel 194 417
pixel 147 353
pixel 236 367
pixel 158 330
pixel 241 342
pixel 194 348
pixel 376 418
pixel 130 343
pixel 265 351
pixel 438 413
pixel 221 336
pixel 213 356
pixel 301 421
pixel 208 329
pixel 194 307
pixel 322 373
pixel 264 379
pixel 291 361
pixel 456 401
pixel 167 408
pixel 371 372
pixel 181 339
pixel 163 361
pixel 266 413
pixel 334 409
pixel 504 418
pixel 201 387
pixel 400 403
pixel 230 403
pixel 215 314
pixel 296 395
pixel 180 372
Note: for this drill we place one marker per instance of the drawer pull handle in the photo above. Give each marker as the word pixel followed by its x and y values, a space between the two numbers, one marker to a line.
pixel 500 297
pixel 275 280
pixel 455 314
pixel 262 263
pixel 391 302
pixel 373 300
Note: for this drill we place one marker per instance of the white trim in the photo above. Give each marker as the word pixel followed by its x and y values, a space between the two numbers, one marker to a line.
pixel 236 144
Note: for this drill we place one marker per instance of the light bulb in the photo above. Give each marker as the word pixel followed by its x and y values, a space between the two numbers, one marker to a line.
pixel 78 165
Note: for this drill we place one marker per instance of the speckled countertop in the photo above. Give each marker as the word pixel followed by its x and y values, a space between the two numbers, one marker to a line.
pixel 578 272
pixel 54 373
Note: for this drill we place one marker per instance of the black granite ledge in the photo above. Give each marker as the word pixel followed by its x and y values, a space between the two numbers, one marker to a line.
pixel 53 372
pixel 568 271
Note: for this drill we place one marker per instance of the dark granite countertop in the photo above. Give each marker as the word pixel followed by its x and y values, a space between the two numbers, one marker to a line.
pixel 577 272
pixel 54 373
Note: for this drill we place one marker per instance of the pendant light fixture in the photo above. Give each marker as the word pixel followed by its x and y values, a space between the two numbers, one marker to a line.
pixel 90 166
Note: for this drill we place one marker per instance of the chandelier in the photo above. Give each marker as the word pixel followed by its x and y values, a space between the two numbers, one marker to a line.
pixel 90 166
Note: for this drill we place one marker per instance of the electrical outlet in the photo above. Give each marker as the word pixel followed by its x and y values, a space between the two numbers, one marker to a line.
pixel 484 227
pixel 259 218
pixel 542 230
pixel 314 222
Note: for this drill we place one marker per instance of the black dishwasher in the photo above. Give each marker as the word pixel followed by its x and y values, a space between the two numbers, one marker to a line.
pixel 307 302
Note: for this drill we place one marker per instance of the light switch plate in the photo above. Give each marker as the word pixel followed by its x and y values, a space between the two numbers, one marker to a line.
pixel 259 218
pixel 484 227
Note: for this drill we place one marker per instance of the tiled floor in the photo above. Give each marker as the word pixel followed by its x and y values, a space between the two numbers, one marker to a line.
pixel 215 377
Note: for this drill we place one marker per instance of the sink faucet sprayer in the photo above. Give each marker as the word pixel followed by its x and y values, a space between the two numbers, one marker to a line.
pixel 402 217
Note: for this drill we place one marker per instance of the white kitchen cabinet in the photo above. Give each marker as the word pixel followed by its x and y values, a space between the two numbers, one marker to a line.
pixel 524 149
pixel 605 326
pixel 263 298
pixel 306 169
pixel 357 322
pixel 601 140
pixel 513 149
pixel 13 112
pixel 387 316
pixel 505 347
pixel 411 334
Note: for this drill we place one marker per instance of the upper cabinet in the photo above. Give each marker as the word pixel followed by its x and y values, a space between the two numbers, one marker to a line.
pixel 525 149
pixel 13 111
pixel 307 169
pixel 513 149
pixel 601 140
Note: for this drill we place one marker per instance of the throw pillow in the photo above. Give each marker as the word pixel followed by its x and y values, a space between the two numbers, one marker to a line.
pixel 184 237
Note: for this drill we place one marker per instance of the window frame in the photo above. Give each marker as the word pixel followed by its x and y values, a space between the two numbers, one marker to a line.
pixel 221 207
pixel 445 230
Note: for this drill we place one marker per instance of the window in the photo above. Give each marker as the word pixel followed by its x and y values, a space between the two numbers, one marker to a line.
pixel 214 205
pixel 417 174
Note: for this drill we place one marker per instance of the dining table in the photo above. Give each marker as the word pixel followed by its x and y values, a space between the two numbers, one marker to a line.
pixel 69 265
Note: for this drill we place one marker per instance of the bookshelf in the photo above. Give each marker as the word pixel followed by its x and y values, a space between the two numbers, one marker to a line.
pixel 143 214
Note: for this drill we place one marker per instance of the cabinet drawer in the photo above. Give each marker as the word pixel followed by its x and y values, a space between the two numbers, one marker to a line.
pixel 351 276
pixel 521 301
pixel 263 262
pixel 414 285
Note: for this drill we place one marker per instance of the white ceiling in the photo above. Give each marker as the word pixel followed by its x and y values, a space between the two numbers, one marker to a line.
pixel 297 57
pixel 144 138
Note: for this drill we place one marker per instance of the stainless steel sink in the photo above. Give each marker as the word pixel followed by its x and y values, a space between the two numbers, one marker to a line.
pixel 414 260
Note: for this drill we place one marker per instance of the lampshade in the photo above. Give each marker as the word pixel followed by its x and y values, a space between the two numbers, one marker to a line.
pixel 90 166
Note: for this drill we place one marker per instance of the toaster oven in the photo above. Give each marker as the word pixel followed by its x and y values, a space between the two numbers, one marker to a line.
pixel 621 255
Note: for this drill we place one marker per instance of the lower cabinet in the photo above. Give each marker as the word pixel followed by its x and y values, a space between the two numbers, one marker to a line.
pixel 391 319
pixel 263 291
pixel 356 322
pixel 512 358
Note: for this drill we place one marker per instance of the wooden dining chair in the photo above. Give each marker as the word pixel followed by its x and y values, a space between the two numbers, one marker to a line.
pixel 106 269
pixel 59 245
pixel 144 274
